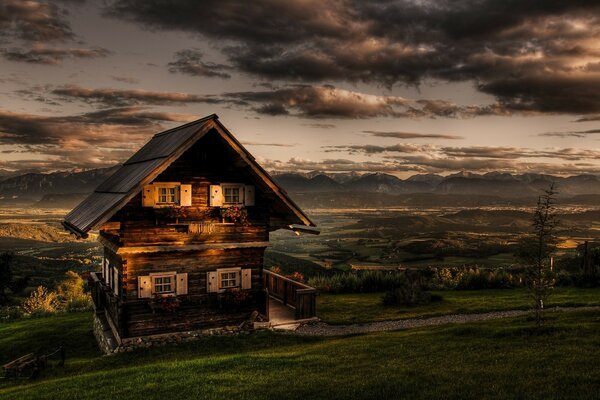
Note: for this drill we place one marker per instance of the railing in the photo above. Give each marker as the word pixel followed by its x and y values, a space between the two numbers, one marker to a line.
pixel 104 298
pixel 292 293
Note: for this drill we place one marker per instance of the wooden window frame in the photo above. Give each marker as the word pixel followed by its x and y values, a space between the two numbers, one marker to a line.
pixel 238 278
pixel 239 187
pixel 167 185
pixel 161 275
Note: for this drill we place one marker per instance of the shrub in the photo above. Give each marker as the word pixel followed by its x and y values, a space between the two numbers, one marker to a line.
pixel 71 293
pixel 474 278
pixel 409 294
pixel 10 313
pixel 358 282
pixel 41 302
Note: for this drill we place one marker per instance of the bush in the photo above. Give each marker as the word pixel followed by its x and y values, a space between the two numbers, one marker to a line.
pixel 10 313
pixel 358 282
pixel 475 278
pixel 41 302
pixel 409 294
pixel 71 293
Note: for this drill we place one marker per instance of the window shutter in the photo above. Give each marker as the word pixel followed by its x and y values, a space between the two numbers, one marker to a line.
pixel 148 196
pixel 185 195
pixel 182 284
pixel 105 271
pixel 144 287
pixel 212 283
pixel 249 195
pixel 116 281
pixel 247 278
pixel 216 196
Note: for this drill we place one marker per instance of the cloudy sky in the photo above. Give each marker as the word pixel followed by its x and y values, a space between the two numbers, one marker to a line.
pixel 396 86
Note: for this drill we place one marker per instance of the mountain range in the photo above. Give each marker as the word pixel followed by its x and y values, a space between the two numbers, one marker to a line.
pixel 72 186
pixel 465 183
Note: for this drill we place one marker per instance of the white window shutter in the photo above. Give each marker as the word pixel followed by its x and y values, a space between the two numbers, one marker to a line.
pixel 144 287
pixel 212 283
pixel 182 284
pixel 249 195
pixel 105 271
pixel 185 195
pixel 247 278
pixel 116 281
pixel 148 196
pixel 216 196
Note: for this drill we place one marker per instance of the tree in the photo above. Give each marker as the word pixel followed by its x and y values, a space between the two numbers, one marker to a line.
pixel 6 276
pixel 71 292
pixel 540 247
pixel 8 280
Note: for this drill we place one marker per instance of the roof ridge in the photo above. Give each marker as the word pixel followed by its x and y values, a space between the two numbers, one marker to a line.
pixel 203 119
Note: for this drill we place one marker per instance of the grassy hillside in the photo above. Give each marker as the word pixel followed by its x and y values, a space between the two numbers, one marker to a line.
pixel 495 360
pixel 367 307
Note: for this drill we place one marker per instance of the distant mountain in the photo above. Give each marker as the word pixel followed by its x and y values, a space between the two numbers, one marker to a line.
pixel 63 189
pixel 432 179
pixel 35 185
pixel 496 184
pixel 301 183
pixel 378 182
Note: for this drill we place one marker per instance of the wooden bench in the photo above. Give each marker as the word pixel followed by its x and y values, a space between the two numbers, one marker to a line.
pixel 15 368
pixel 31 364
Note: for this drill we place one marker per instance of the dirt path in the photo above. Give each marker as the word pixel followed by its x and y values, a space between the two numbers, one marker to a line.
pixel 324 329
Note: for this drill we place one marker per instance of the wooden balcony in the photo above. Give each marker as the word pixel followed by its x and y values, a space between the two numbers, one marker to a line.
pixel 105 301
pixel 293 294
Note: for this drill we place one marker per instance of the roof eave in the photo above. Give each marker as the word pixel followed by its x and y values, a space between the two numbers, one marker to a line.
pixel 74 230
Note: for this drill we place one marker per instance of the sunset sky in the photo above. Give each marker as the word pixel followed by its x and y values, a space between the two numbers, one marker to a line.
pixel 401 87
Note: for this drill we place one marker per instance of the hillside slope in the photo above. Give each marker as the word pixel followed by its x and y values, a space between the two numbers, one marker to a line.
pixel 475 360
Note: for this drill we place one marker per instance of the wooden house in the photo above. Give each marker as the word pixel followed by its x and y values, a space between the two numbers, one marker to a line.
pixel 184 224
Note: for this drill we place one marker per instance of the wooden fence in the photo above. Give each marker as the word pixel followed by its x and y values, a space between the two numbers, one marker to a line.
pixel 291 293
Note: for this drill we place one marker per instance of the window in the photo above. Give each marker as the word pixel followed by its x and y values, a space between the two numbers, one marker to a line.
pixel 228 280
pixel 233 194
pixel 163 284
pixel 167 194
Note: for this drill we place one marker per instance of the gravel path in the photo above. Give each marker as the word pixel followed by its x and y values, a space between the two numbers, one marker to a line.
pixel 324 329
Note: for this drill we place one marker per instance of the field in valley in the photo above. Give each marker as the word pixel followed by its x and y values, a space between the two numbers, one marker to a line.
pixel 350 238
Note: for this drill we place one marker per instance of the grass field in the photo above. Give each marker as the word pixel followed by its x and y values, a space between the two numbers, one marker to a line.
pixel 500 359
pixel 367 307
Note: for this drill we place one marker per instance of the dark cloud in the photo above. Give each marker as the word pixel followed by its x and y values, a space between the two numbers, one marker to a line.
pixel 320 125
pixel 578 134
pixel 428 164
pixel 51 55
pixel 190 62
pixel 330 102
pixel 533 56
pixel 318 102
pixel 375 149
pixel 121 97
pixel 126 79
pixel 94 139
pixel 482 153
pixel 33 21
pixel 268 144
pixel 591 118
pixel 334 165
pixel 412 135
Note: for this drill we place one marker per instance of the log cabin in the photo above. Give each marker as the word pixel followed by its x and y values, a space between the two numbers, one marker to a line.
pixel 184 224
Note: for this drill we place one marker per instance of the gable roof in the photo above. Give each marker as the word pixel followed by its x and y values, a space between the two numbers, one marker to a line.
pixel 151 160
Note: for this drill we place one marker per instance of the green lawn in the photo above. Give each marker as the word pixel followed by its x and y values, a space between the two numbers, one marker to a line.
pixel 367 307
pixel 495 360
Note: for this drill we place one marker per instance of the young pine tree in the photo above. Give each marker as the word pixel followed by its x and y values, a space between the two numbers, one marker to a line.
pixel 540 249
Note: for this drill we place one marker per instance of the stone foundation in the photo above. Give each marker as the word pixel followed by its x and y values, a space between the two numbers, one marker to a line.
pixel 109 345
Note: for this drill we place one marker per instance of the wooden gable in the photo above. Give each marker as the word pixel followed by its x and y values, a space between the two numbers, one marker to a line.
pixel 154 159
